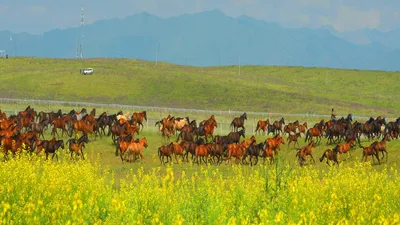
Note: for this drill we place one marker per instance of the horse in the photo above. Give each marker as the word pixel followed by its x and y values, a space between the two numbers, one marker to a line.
pixel 137 148
pixel 315 132
pixel 254 151
pixel 202 153
pixel 139 116
pixel 177 149
pixel 369 151
pixel 84 127
pixel 381 146
pixel 180 123
pixel 211 119
pixel 209 129
pixel 234 137
pixel 186 136
pixel 13 144
pixel 345 147
pixel 303 152
pixel 237 151
pixel 303 128
pixel 238 122
pixel 293 138
pixel 278 125
pixel 77 148
pixel 50 147
pixel 291 127
pixel 117 130
pixel 165 151
pixel 262 125
pixel 191 148
pixel 103 121
pixel 59 123
pixel 275 142
pixel 217 150
pixel 38 128
pixel 330 156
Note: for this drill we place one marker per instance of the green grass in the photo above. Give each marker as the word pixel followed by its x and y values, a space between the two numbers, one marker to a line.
pixel 263 89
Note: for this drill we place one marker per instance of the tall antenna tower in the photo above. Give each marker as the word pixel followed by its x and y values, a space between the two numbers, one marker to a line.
pixel 82 24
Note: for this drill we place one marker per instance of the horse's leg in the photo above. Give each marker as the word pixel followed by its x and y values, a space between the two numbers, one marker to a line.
pixel 386 155
pixel 83 157
pixel 312 158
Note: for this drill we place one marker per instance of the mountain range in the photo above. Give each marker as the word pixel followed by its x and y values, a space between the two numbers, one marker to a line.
pixel 212 38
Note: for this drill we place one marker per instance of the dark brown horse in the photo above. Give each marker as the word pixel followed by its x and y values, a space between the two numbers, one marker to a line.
pixel 330 156
pixel 238 122
pixel 278 125
pixel 315 132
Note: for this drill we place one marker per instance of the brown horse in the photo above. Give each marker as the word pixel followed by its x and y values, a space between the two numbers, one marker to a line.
pixel 177 149
pixel 291 127
pixel 345 147
pixel 77 148
pixel 303 128
pixel 211 119
pixel 6 123
pixel 369 151
pixel 275 142
pixel 293 138
pixel 278 125
pixel 238 122
pixel 137 148
pixel 60 123
pixel 139 116
pixel 25 121
pixel 330 156
pixel 262 126
pixel 315 132
pixel 202 153
pixel 303 152
pixel 84 127
pixel 237 151
pixel 209 129
pixel 165 151
pixel 381 146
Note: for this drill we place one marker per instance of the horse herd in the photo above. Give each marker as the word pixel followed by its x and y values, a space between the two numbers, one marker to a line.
pixel 23 131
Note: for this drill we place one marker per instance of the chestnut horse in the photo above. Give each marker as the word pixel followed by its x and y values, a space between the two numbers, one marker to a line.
pixel 278 125
pixel 303 128
pixel 262 125
pixel 345 147
pixel 315 132
pixel 138 118
pixel 293 138
pixel 303 152
pixel 137 148
pixel 369 151
pixel 381 146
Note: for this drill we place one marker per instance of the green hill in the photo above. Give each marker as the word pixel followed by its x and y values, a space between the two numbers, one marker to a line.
pixel 255 88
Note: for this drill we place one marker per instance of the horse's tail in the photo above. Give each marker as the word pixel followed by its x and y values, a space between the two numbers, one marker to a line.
pixel 258 127
pixel 322 157
pixel 307 134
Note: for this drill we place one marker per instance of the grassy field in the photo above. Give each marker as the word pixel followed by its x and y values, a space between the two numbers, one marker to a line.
pixel 264 89
pixel 104 190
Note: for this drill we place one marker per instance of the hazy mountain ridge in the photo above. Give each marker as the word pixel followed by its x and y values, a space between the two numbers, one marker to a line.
pixel 211 38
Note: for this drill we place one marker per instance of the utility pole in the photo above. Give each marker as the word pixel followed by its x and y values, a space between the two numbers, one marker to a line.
pixel 157 53
pixel 82 24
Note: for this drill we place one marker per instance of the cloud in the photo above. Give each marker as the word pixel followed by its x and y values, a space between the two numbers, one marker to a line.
pixel 350 19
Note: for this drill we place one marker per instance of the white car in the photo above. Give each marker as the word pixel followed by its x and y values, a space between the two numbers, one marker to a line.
pixel 87 71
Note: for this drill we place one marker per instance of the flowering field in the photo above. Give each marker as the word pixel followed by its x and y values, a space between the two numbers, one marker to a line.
pixel 44 192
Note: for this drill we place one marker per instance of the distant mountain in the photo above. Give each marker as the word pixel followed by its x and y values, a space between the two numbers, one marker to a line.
pixel 211 38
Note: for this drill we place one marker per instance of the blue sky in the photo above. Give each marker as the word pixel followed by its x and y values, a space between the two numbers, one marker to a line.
pixel 37 16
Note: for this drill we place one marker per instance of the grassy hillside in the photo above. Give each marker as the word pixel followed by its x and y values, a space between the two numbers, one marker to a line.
pixel 275 89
